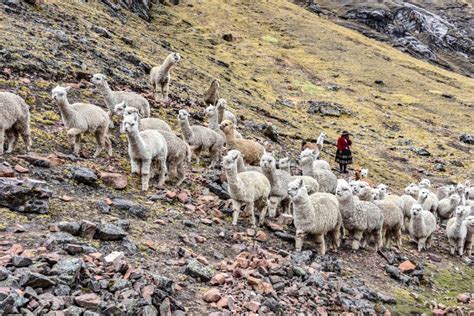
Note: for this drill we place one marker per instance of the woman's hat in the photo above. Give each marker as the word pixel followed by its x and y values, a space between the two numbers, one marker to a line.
pixel 345 133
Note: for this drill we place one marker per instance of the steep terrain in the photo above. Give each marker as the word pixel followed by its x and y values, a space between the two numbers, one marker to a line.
pixel 279 62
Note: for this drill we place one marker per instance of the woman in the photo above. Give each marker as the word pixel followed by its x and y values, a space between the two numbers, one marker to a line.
pixel 343 153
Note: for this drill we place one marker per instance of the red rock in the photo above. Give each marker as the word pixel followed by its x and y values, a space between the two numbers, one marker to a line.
pixel 252 306
pixel 171 194
pixel 321 311
pixel 89 301
pixel 434 257
pixel 160 222
pixel 36 160
pixel 202 259
pixel 151 244
pixel 16 249
pixel 407 266
pixel 219 279
pixel 274 226
pixel 148 291
pixel 190 207
pixel 6 171
pixel 108 201
pixel 96 255
pixel 200 239
pixel 261 236
pixel 463 298
pixel 21 169
pixel 285 219
pixel 223 302
pixel 438 312
pixel 183 197
pixel 7 71
pixel 88 229
pixel 212 296
pixel 206 221
pixel 387 313
pixel 115 180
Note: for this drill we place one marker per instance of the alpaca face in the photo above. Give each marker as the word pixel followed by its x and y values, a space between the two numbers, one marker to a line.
pixel 353 184
pixel 460 188
pixel 296 189
pixel 216 83
pixel 470 222
pixel 210 110
pixel 460 211
pixel 229 161
pixel 98 79
pixel 175 58
pixel 226 125
pixel 119 108
pixel 267 162
pixel 284 163
pixel 455 199
pixel 221 103
pixel 183 115
pixel 375 193
pixel 364 173
pixel 412 190
pixel 59 93
pixel 128 111
pixel 425 183
pixel 424 193
pixel 382 188
pixel 361 188
pixel 307 156
pixel 343 191
pixel 416 210
pixel 130 124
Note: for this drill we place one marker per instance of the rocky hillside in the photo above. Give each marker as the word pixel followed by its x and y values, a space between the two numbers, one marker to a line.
pixel 88 239
pixel 435 31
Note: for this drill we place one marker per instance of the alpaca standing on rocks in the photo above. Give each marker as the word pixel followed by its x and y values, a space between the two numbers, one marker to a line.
pixel 447 206
pixel 80 118
pixel 160 76
pixel 201 138
pixel 250 188
pixel 144 123
pixel 456 231
pixel 179 153
pixel 146 148
pixel 469 222
pixel 112 98
pixel 326 179
pixel 223 114
pixel 422 226
pixel 212 94
pixel 362 220
pixel 14 121
pixel 250 150
pixel 317 214
pixel 279 180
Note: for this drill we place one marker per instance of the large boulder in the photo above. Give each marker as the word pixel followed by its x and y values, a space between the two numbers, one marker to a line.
pixel 25 195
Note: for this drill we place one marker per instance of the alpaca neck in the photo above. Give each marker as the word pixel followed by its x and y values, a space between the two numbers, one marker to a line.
pixel 241 165
pixel 167 64
pixel 136 142
pixel 186 129
pixel 108 95
pixel 302 202
pixel 220 114
pixel 235 184
pixel 65 109
pixel 346 206
pixel 229 137
pixel 272 177
pixel 213 122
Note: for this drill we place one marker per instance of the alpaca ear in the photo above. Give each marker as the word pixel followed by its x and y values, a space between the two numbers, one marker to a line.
pixel 319 146
pixel 300 183
pixel 67 89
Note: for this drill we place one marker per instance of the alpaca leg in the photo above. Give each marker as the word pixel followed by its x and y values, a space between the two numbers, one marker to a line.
pixel 452 246
pixel 378 239
pixel 135 166
pixel 385 236
pixel 320 244
pixel 172 164
pixel 336 237
pixel 73 134
pixel 180 173
pixel 421 244
pixel 357 236
pixel 26 136
pixel 397 235
pixel 235 215
pixel 250 208
pixel 215 155
pixel 100 140
pixel 12 137
pixel 145 171
pixel 108 145
pixel 163 170
pixel 273 205
pixel 2 139
pixel 111 118
pixel 299 240
pixel 461 246
pixel 263 212
pixel 428 241
pixel 365 240
pixel 164 89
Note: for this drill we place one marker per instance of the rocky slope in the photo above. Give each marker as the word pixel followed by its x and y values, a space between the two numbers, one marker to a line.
pixel 435 31
pixel 288 75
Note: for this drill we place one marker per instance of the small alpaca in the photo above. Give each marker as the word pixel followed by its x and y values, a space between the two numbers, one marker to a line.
pixel 80 118
pixel 317 214
pixel 469 222
pixel 145 149
pixel 250 150
pixel 14 121
pixel 160 76
pixel 456 231
pixel 249 188
pixel 201 138
pixel 422 226
pixel 212 94
pixel 112 98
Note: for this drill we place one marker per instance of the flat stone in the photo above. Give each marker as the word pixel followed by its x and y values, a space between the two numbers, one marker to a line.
pixel 407 267
pixel 36 280
pixel 70 227
pixel 20 261
pixel 68 269
pixel 115 180
pixel 109 232
pixel 36 160
pixel 199 271
pixel 89 301
pixel 24 195
pixel 6 171
pixel 149 310
pixel 88 229
pixel 83 175
pixel 114 258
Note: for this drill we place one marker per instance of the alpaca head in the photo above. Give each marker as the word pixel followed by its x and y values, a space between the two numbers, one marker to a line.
pixel 221 104
pixel 307 156
pixel 416 210
pixel 230 160
pixel 119 108
pixel 424 193
pixel 59 93
pixel 364 173
pixel 469 222
pixel 343 190
pixel 130 124
pixel 174 58
pixel 215 83
pixel 375 193
pixel 362 188
pixel 296 189
pixel 383 188
pixel 425 184
pixel 460 212
pixel 210 110
pixel 226 126
pixel 455 199
pixel 99 79
pixel 267 162
pixel 183 115
pixel 284 163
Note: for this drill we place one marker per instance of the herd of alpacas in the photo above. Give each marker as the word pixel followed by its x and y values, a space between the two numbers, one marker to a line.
pixel 322 205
